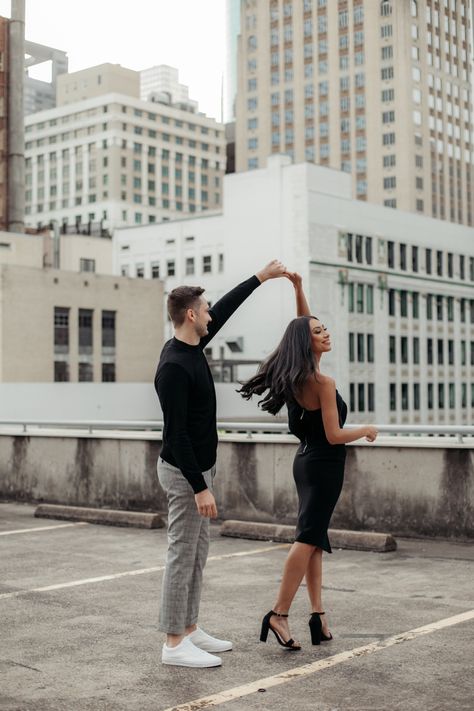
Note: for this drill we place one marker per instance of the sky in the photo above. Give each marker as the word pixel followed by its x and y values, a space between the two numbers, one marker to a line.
pixel 187 34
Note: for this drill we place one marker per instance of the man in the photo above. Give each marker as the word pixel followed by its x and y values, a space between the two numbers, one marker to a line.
pixel 186 466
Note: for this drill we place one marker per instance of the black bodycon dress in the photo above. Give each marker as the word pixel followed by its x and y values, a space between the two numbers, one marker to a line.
pixel 318 470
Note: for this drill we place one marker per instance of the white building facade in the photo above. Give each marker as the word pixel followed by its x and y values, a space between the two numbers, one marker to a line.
pixel 113 159
pixel 396 290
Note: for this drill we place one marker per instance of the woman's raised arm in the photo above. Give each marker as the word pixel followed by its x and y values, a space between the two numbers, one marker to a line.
pixel 302 306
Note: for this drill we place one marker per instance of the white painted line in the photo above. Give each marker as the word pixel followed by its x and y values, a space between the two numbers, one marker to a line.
pixel 43 528
pixel 238 692
pixel 129 573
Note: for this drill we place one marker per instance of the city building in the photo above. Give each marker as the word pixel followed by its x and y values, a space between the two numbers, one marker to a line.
pixel 69 252
pixel 40 94
pixel 59 325
pixel 232 20
pixel 381 90
pixel 103 155
pixel 161 83
pixel 395 289
pixel 4 27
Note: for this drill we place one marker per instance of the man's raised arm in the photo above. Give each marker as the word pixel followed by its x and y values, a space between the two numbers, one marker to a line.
pixel 223 309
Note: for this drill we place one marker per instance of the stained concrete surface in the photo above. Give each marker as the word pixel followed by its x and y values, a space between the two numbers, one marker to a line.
pixel 96 646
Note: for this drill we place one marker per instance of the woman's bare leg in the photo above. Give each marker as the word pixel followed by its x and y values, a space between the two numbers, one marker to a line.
pixel 314 580
pixel 294 570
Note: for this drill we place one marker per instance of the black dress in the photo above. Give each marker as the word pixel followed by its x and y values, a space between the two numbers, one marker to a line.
pixel 318 470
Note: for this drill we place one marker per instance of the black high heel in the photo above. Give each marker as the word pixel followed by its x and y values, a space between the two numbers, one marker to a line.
pixel 316 629
pixel 290 644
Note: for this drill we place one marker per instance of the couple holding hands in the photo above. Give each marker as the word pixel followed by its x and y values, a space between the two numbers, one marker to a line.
pixel 290 376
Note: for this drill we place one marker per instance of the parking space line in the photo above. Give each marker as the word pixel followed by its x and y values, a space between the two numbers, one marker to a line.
pixel 43 528
pixel 130 573
pixel 239 692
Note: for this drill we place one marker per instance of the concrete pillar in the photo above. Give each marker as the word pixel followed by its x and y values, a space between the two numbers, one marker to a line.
pixel 16 139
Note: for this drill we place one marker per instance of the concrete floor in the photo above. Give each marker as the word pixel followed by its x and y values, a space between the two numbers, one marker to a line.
pixel 94 644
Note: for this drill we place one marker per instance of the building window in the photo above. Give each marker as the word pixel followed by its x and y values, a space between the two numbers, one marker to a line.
pixel 61 371
pixel 414 258
pixel 85 331
pixel 393 397
pixel 370 348
pixel 416 350
pixel 86 373
pixel 391 254
pixel 206 264
pixel 392 349
pixel 428 267
pixel 361 397
pixel 415 304
pixel 416 396
pixel 189 266
pixel 429 351
pixel 351 348
pixel 155 270
pixel 108 330
pixel 61 330
pixel 391 302
pixel 404 396
pixel 404 349
pixel 108 372
pixel 170 267
pixel 140 271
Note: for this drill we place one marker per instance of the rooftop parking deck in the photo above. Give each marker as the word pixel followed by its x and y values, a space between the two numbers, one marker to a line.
pixel 79 606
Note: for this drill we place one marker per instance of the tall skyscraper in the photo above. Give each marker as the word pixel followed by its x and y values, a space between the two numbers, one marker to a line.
pixel 382 90
pixel 232 21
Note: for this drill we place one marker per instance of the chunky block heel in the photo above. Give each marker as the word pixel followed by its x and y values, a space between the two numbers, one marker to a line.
pixel 290 644
pixel 316 629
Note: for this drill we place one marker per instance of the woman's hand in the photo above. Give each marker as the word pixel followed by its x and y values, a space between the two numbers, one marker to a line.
pixel 295 278
pixel 371 433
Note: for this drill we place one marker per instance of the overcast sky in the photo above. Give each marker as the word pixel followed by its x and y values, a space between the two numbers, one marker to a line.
pixel 187 34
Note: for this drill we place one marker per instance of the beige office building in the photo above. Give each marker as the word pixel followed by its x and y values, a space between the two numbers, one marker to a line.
pixel 70 324
pixel 381 90
pixel 103 156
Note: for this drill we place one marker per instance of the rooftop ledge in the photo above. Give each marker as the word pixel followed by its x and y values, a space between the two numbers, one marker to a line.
pixel 411 436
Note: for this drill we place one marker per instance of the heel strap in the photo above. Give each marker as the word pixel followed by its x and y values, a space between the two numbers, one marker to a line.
pixel 279 614
pixel 318 613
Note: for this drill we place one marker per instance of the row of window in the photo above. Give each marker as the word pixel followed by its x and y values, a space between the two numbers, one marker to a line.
pixel 361 397
pixel 166 155
pixel 137 147
pixel 158 271
pixel 401 393
pixel 442 305
pixel 139 113
pixel 444 351
pixel 436 261
pixel 359 249
pixel 85 330
pixel 85 372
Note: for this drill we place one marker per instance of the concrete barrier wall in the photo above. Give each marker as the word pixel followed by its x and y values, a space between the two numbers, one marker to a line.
pixel 405 490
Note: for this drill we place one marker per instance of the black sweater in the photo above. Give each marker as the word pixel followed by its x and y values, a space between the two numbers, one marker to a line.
pixel 185 387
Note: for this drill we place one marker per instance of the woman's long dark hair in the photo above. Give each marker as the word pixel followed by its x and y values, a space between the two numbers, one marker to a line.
pixel 285 372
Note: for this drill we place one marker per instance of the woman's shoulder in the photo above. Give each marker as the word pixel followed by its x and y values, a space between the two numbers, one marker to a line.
pixel 326 381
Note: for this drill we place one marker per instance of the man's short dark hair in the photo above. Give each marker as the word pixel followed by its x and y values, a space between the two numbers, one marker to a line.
pixel 180 300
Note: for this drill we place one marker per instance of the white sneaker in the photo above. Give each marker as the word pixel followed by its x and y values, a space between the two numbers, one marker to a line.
pixel 186 654
pixel 209 644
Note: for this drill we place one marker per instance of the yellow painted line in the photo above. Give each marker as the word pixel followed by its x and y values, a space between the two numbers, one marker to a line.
pixel 43 528
pixel 238 692
pixel 129 573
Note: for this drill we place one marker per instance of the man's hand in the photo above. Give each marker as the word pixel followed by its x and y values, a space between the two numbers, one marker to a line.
pixel 295 278
pixel 206 504
pixel 273 270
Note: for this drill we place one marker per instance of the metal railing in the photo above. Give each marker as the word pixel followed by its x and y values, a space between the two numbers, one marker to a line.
pixel 248 428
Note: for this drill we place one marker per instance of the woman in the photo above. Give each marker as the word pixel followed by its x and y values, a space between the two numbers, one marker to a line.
pixel 316 415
